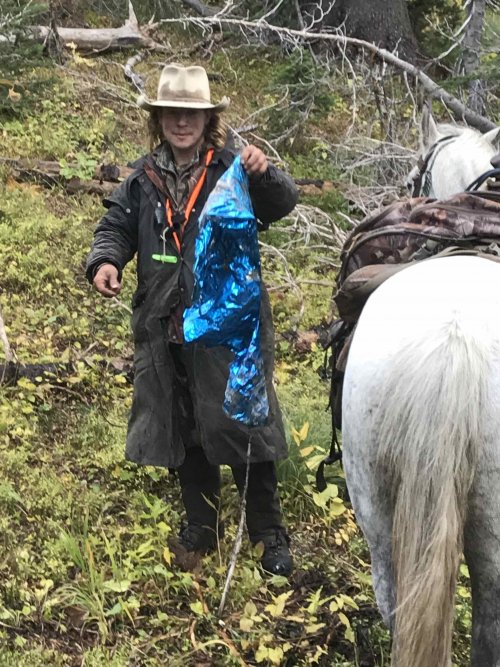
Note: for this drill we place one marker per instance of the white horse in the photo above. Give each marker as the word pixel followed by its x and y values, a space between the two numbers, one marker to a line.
pixel 421 435
pixel 452 157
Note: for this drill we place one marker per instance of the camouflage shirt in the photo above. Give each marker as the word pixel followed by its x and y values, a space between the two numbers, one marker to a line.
pixel 179 180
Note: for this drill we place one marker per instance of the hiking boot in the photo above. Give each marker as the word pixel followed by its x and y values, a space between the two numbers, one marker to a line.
pixel 276 558
pixel 202 539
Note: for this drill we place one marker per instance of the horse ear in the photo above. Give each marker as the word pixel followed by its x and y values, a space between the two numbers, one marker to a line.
pixel 429 132
pixel 493 136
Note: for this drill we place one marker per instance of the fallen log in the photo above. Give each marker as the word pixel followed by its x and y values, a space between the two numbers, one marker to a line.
pixel 314 186
pixel 96 40
pixel 52 169
pixel 103 181
pixel 106 176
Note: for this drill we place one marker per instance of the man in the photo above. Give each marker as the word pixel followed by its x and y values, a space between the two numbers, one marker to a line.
pixel 177 418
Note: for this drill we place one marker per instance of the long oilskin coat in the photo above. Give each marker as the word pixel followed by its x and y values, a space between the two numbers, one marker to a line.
pixel 133 224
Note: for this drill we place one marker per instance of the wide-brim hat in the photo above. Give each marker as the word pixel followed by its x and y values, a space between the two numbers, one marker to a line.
pixel 182 88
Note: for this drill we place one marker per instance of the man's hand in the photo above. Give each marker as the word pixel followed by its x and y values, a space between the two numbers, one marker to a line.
pixel 106 280
pixel 253 160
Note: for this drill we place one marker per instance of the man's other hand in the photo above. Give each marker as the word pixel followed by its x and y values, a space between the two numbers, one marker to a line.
pixel 106 280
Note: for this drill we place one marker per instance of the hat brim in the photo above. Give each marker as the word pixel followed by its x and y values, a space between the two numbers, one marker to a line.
pixel 149 105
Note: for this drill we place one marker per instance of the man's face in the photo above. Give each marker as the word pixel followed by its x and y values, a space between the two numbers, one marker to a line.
pixel 183 128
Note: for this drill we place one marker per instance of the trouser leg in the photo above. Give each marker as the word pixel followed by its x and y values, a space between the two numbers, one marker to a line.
pixel 263 511
pixel 199 480
pixel 200 488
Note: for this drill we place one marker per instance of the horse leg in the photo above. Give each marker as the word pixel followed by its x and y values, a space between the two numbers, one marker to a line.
pixel 370 501
pixel 377 527
pixel 482 553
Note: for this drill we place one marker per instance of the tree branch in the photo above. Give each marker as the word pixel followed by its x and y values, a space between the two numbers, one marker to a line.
pixel 298 37
pixel 128 69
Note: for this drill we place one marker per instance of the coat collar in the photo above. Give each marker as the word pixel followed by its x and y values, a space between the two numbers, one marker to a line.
pixel 224 155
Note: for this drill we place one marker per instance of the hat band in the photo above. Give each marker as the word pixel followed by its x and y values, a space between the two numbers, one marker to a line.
pixel 180 98
pixel 167 94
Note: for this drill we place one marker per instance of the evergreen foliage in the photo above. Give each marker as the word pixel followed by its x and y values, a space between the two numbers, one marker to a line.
pixel 427 15
pixel 19 54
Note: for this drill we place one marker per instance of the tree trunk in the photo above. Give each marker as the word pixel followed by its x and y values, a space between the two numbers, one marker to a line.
pixel 471 53
pixel 385 23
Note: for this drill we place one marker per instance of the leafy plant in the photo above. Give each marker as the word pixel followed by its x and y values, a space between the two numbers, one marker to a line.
pixel 83 167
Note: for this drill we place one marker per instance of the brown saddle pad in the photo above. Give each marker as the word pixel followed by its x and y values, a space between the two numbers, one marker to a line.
pixel 412 230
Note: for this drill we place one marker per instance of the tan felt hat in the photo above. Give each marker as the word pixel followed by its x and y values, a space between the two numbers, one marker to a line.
pixel 183 88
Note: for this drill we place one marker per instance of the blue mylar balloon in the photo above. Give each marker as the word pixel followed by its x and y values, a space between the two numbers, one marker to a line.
pixel 226 299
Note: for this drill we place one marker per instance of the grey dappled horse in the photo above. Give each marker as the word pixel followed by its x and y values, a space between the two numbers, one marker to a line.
pixel 421 434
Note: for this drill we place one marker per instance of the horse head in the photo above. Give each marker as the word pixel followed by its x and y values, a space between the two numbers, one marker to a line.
pixel 451 157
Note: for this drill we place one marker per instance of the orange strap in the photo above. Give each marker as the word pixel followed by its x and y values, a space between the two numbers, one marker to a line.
pixel 190 202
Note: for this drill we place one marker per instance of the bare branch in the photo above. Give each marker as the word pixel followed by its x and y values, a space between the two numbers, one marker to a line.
pixel 132 18
pixel 239 534
pixel 297 38
pixel 116 303
pixel 136 79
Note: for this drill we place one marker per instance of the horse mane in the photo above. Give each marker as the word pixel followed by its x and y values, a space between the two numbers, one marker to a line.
pixel 467 134
pixel 452 129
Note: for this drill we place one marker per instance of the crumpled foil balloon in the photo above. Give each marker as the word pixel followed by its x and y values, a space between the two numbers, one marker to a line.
pixel 226 299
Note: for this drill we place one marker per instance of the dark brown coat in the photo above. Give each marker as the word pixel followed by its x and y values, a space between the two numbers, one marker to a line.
pixel 133 224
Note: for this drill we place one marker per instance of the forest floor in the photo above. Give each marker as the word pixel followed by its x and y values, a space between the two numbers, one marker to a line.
pixel 86 575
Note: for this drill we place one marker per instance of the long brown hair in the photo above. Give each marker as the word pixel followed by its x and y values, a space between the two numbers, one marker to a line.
pixel 215 131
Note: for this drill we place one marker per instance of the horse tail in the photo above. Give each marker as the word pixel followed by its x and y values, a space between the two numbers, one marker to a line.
pixel 429 435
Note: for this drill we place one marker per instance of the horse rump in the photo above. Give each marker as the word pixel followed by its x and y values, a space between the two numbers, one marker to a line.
pixel 415 389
